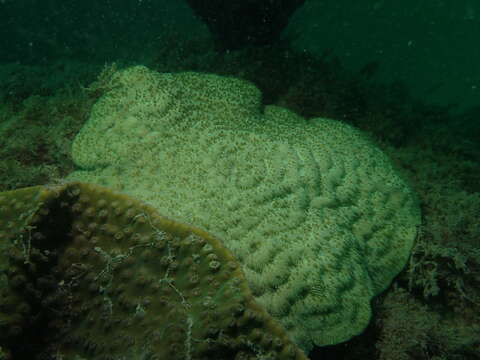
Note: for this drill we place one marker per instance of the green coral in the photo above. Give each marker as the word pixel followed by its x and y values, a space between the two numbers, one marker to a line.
pixel 315 212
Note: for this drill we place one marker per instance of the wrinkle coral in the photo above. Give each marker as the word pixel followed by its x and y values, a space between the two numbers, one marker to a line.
pixel 316 214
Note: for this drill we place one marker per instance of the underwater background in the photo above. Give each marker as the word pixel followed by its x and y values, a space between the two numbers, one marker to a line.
pixel 405 72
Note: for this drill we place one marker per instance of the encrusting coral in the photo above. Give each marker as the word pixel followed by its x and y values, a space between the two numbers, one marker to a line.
pixel 86 273
pixel 316 214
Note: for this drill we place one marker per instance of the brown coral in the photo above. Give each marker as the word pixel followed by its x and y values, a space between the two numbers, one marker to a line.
pixel 90 273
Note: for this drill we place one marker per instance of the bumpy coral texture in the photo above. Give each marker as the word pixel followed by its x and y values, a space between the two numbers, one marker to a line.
pixel 316 214
pixel 92 274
